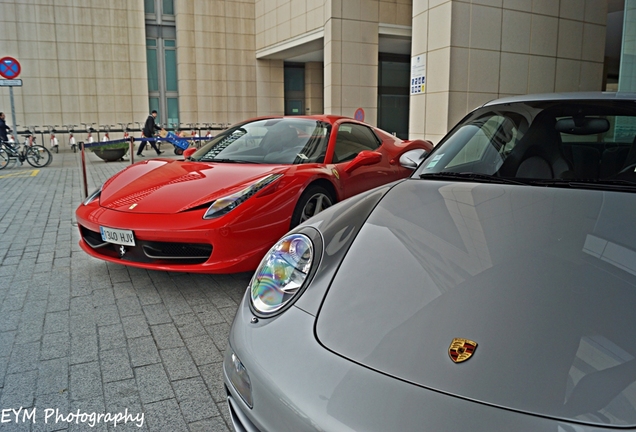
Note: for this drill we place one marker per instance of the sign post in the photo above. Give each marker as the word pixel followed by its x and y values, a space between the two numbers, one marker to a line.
pixel 10 69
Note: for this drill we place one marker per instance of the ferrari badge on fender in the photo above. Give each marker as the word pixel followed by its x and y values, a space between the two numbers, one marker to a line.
pixel 460 349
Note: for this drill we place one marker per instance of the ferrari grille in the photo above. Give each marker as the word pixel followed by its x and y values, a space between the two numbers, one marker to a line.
pixel 148 251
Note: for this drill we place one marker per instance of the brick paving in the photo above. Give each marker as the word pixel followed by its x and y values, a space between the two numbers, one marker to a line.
pixel 77 333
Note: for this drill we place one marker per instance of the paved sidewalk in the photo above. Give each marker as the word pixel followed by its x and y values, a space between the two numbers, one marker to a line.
pixel 78 335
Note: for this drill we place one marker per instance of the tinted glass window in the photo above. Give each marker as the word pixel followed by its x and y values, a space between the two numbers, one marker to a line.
pixel 275 141
pixel 352 139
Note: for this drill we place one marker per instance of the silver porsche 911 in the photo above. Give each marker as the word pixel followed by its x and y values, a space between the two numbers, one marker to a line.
pixel 493 290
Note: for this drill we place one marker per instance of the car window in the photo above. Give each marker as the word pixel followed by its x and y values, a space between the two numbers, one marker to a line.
pixel 352 139
pixel 480 145
pixel 569 142
pixel 272 141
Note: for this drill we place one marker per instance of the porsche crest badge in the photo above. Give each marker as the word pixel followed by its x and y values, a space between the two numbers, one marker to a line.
pixel 460 349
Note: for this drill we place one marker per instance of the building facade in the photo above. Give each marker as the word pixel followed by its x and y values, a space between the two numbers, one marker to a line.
pixel 412 67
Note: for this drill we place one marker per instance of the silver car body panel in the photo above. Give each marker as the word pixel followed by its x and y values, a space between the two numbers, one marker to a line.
pixel 543 279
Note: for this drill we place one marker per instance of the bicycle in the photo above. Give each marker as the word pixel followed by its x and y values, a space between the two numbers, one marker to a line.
pixel 36 155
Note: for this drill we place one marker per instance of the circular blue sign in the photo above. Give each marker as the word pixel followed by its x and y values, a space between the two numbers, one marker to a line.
pixel 359 115
pixel 9 68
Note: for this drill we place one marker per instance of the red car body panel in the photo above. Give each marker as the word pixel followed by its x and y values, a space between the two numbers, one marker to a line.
pixel 164 200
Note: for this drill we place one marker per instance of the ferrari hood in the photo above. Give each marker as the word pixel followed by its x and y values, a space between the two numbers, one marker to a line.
pixel 170 186
pixel 542 280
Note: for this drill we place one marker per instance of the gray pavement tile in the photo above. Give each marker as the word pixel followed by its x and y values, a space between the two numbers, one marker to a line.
pixel 135 326
pixel 157 314
pixel 178 363
pixel 6 342
pixel 228 313
pixel 85 381
pixel 99 325
pixel 115 365
pixel 166 336
pixel 194 400
pixel 153 383
pixel 143 351
pixel 47 407
pixel 87 418
pixel 165 416
pixel 53 376
pixel 4 362
pixel 83 348
pixel 189 326
pixel 213 376
pixel 81 305
pixel 55 345
pixel 129 306
pixel 24 357
pixel 56 321
pixel 214 424
pixel 203 350
pixel 208 314
pixel 107 315
pixel 147 294
pixel 124 291
pixel 103 296
pixel 219 334
pixel 19 389
pixel 111 337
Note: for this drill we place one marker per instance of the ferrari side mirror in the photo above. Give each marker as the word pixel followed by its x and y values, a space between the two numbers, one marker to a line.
pixel 412 158
pixel 364 158
pixel 189 152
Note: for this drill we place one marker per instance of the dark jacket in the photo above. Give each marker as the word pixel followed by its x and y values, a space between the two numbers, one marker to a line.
pixel 3 130
pixel 150 127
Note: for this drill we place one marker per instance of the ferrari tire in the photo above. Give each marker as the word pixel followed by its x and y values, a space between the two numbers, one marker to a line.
pixel 313 200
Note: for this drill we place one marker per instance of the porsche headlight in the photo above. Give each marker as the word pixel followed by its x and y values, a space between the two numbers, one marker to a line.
pixel 281 273
pixel 226 204
pixel 93 196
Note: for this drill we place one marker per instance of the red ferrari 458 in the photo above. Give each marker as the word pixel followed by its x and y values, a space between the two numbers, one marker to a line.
pixel 226 204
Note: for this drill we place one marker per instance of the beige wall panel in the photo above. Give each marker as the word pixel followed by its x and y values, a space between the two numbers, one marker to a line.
pixel 570 39
pixel 513 73
pixel 516 31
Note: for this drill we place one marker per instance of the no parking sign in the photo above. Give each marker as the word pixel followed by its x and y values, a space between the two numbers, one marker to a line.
pixel 9 68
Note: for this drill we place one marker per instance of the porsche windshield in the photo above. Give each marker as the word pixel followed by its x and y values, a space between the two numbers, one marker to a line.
pixel 552 143
pixel 270 141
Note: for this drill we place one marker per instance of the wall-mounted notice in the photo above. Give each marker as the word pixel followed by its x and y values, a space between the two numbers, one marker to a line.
pixel 418 74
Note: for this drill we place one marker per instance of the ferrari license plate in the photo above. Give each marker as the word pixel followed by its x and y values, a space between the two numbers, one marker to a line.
pixel 117 236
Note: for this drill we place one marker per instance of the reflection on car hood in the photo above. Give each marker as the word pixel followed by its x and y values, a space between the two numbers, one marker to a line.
pixel 542 279
pixel 163 186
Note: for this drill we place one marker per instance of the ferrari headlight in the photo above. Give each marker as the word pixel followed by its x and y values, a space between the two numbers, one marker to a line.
pixel 226 204
pixel 93 196
pixel 281 273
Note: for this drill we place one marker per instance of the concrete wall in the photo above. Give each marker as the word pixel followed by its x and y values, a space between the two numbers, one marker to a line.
pixel 216 62
pixel 482 49
pixel 82 61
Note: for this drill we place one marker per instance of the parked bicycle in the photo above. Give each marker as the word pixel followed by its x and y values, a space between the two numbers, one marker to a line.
pixel 36 155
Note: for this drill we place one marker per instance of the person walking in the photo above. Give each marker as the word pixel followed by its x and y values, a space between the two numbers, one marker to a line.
pixel 149 131
pixel 3 128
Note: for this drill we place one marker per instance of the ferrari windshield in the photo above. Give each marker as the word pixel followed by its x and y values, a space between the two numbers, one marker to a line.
pixel 564 142
pixel 271 141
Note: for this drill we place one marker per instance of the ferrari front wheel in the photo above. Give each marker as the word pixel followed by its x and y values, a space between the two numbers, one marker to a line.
pixel 314 200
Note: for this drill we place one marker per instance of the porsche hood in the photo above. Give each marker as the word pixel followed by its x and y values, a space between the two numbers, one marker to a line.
pixel 542 280
pixel 168 186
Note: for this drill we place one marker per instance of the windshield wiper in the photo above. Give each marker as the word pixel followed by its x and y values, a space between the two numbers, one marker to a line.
pixel 468 176
pixel 612 185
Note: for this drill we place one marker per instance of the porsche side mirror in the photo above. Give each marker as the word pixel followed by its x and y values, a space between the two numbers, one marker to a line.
pixel 364 158
pixel 189 152
pixel 412 158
